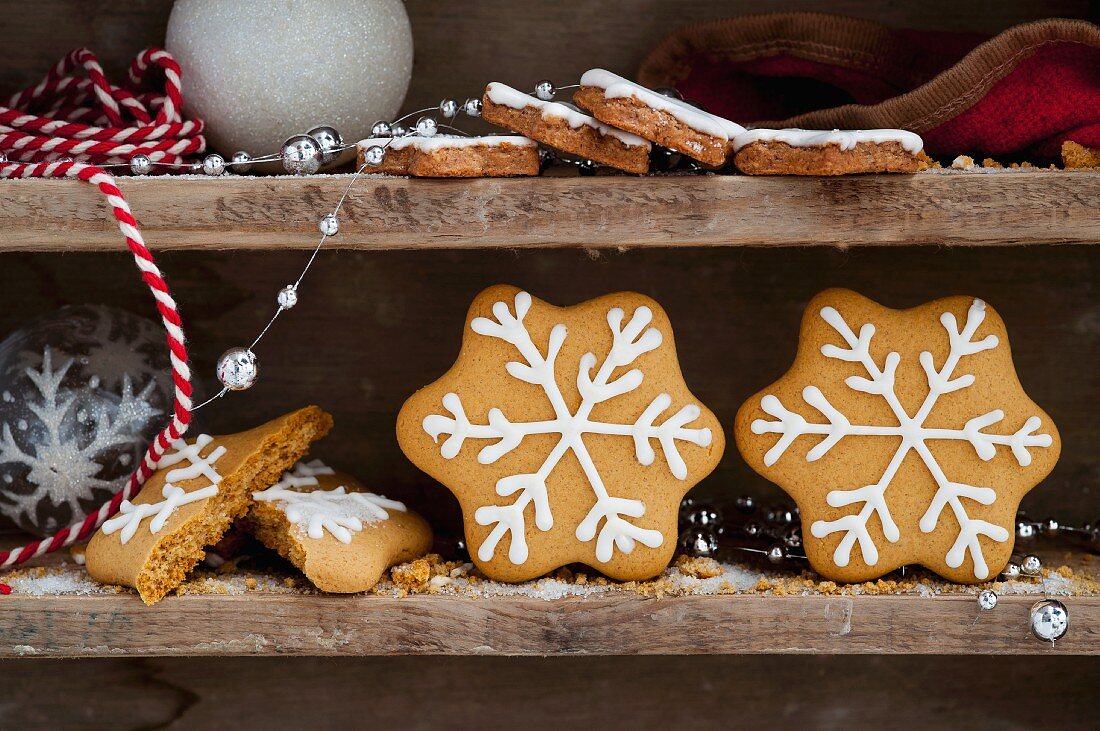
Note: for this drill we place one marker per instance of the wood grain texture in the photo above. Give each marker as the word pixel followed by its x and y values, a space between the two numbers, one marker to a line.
pixel 604 212
pixel 516 42
pixel 99 626
pixel 372 327
pixel 825 693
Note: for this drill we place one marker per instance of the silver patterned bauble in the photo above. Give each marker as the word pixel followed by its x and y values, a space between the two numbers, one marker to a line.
pixel 472 107
pixel 141 164
pixel 448 108
pixel 374 155
pixel 700 542
pixel 258 71
pixel 213 164
pixel 237 369
pixel 242 162
pixel 777 553
pixel 1025 530
pixel 426 127
pixel 669 91
pixel 83 391
pixel 381 128
pixel 329 140
pixel 329 224
pixel 745 503
pixel 1049 619
pixel 301 155
pixel 1012 571
pixel 545 90
pixel 1031 565
pixel 987 599
pixel 288 297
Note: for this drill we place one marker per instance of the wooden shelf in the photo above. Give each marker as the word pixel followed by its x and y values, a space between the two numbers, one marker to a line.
pixel 936 207
pixel 610 624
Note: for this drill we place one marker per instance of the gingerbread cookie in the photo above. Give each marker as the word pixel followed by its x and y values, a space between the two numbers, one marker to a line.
pixel 199 490
pixel 820 152
pixel 340 536
pixel 563 127
pixel 449 156
pixel 667 121
pixel 903 435
pixel 545 430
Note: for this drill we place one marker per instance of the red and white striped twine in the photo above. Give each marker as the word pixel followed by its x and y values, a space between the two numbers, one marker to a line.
pixel 84 116
pixel 33 155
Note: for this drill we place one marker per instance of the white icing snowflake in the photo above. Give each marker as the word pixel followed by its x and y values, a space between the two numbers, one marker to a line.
pixel 538 368
pixel 337 511
pixel 914 435
pixel 63 466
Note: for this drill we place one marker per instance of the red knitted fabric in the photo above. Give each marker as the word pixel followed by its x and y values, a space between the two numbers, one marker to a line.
pixel 1021 93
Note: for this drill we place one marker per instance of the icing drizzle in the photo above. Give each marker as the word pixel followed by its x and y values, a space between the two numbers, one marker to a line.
pixel 130 515
pixel 337 511
pixel 615 86
pixel 846 139
pixel 507 96
pixel 914 437
pixel 629 342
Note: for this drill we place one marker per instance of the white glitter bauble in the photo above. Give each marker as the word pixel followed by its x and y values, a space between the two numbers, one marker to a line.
pixel 258 71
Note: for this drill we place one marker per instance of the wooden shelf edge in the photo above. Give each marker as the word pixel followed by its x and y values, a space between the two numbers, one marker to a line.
pixel 931 208
pixel 623 624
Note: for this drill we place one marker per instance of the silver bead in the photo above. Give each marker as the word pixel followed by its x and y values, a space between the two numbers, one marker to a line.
pixel 237 369
pixel 669 91
pixel 242 162
pixel 65 158
pixel 1025 530
pixel 288 297
pixel 1049 619
pixel 426 127
pixel 398 130
pixel 780 515
pixel 329 225
pixel 374 155
pixel 213 164
pixel 141 164
pixel 704 516
pixel 987 599
pixel 753 528
pixel 587 167
pixel 546 156
pixel 1050 526
pixel 472 107
pixel 745 503
pixel 448 108
pixel 700 542
pixel 3 157
pixel 545 90
pixel 1012 571
pixel 329 141
pixel 381 128
pixel 792 537
pixel 777 553
pixel 1031 565
pixel 301 155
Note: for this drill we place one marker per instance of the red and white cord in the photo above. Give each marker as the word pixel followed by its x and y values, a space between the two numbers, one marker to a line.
pixel 34 143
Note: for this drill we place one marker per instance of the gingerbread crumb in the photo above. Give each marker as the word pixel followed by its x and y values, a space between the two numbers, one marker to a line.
pixel 699 568
pixel 963 162
pixel 1075 155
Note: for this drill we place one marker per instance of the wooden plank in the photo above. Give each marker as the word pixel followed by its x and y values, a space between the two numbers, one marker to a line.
pixel 612 624
pixel 829 693
pixel 605 212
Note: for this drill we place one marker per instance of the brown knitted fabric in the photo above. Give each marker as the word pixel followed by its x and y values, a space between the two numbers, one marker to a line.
pixel 860 44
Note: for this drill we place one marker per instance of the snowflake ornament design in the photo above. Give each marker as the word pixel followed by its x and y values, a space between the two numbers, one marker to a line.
pixel 548 430
pixel 905 434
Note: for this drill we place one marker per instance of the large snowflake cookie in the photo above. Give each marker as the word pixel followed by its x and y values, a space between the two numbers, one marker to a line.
pixel 342 537
pixel 567 434
pixel 200 488
pixel 903 435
